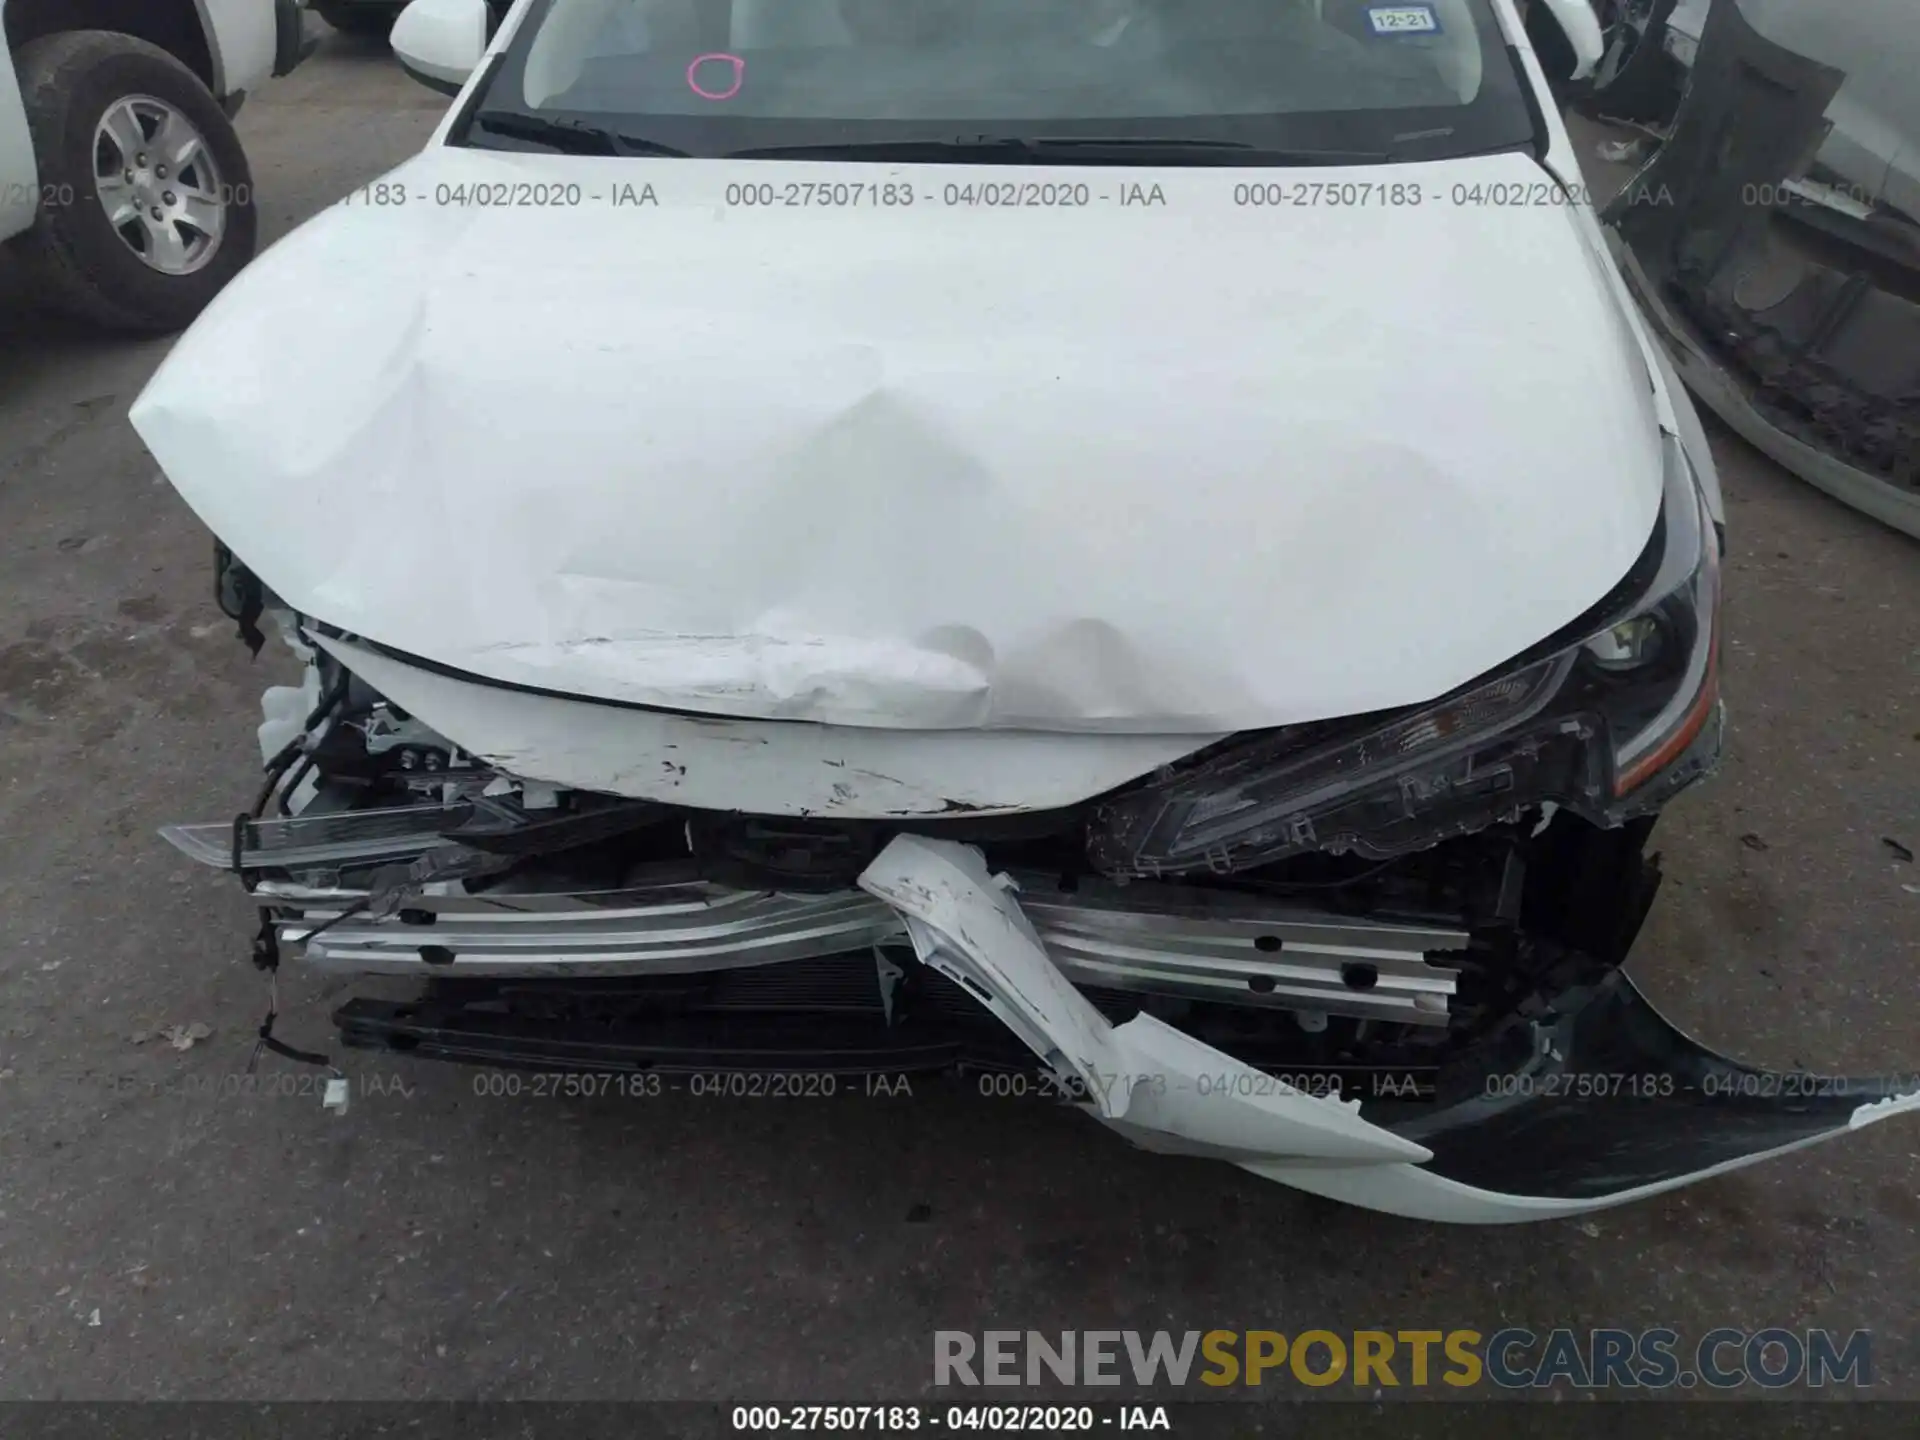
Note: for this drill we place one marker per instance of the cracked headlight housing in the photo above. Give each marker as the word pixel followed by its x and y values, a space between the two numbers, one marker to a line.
pixel 1608 719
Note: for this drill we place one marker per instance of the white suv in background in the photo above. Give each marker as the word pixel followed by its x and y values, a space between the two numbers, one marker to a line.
pixel 123 187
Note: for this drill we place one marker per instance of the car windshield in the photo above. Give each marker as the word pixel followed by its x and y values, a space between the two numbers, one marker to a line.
pixel 1345 80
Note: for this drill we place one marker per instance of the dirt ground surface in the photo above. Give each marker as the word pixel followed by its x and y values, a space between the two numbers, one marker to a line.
pixel 157 1240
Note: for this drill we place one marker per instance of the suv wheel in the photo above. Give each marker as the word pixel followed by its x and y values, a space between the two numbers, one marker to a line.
pixel 161 214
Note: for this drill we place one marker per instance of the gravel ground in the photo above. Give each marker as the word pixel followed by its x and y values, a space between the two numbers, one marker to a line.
pixel 155 1242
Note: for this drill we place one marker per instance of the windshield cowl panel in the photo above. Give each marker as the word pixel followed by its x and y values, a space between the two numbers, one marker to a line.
pixel 855 79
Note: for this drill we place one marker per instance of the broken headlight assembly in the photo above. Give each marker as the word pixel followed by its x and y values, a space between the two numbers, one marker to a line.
pixel 1609 719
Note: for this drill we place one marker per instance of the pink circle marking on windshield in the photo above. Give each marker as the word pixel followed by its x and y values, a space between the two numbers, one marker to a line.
pixel 739 75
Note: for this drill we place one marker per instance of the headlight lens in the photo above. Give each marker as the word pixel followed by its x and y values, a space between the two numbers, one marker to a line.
pixel 1631 645
pixel 1664 705
pixel 1588 727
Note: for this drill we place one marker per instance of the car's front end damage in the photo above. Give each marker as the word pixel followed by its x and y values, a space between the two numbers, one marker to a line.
pixel 1224 666
pixel 1378 959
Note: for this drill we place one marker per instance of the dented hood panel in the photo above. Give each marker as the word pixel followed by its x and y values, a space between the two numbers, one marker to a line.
pixel 1184 468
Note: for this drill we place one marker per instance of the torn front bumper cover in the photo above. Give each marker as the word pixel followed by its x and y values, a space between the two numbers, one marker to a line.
pixel 1592 1103
pixel 1612 1104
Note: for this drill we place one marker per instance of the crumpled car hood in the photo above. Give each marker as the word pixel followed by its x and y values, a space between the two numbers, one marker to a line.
pixel 1182 468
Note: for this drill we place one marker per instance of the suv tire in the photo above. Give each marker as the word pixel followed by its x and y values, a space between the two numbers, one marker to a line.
pixel 80 89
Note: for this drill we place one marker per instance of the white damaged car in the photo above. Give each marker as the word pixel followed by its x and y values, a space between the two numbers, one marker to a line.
pixel 1138 539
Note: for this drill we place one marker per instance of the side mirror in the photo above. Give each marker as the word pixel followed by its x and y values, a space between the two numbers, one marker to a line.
pixel 439 42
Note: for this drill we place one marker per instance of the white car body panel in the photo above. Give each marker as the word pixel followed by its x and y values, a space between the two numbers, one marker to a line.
pixel 1693 435
pixel 429 29
pixel 1672 403
pixel 19 172
pixel 241 34
pixel 768 767
pixel 925 501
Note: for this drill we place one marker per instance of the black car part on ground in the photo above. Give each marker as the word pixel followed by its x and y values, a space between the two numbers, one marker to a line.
pixel 1636 79
pixel 1828 337
pixel 1798 322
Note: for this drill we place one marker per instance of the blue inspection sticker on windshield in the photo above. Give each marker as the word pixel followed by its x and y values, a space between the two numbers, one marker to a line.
pixel 1403 20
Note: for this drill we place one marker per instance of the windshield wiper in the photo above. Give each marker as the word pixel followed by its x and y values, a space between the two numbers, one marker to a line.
pixel 985 150
pixel 1065 149
pixel 570 137
pixel 1225 152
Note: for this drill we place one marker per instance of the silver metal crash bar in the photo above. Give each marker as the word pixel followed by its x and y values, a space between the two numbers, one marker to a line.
pixel 1185 943
pixel 1155 939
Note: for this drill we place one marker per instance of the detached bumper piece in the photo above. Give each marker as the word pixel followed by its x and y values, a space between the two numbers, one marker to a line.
pixel 1797 322
pixel 1159 1009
